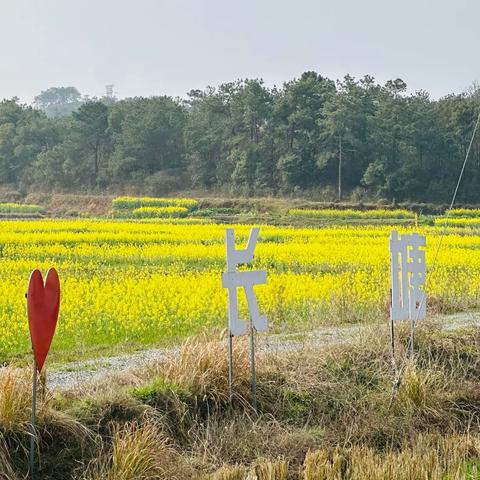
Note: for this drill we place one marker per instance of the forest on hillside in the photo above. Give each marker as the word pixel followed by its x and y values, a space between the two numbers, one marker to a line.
pixel 353 138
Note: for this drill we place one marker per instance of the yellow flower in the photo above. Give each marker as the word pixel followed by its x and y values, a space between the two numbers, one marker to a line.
pixel 132 281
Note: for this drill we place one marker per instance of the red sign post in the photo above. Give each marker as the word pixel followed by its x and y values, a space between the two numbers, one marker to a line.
pixel 43 305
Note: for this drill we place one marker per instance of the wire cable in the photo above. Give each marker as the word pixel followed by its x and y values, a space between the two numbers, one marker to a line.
pixel 409 352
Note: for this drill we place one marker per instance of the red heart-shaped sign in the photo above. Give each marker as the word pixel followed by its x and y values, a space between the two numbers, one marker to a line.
pixel 43 304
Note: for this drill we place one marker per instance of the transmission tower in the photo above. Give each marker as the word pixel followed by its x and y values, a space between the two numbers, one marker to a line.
pixel 109 92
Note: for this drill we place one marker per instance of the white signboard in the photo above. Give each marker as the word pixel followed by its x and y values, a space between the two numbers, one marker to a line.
pixel 233 280
pixel 408 271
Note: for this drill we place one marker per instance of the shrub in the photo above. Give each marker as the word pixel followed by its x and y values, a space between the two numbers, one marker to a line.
pixel 160 212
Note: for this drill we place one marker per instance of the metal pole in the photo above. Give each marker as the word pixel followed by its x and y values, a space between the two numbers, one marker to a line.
pixel 252 364
pixel 230 364
pixel 412 337
pixel 392 331
pixel 33 435
pixel 392 344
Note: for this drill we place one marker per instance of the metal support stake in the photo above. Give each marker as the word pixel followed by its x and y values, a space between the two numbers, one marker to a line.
pixel 230 364
pixel 392 330
pixel 33 434
pixel 252 364
pixel 412 336
pixel 392 337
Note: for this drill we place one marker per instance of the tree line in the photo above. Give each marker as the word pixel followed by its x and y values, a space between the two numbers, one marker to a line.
pixel 351 137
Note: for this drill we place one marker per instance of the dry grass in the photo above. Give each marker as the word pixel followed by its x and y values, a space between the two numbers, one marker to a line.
pixel 261 470
pixel 16 407
pixel 324 411
pixel 419 391
pixel 6 469
pixel 268 470
pixel 138 452
pixel 336 396
pixel 242 439
pixel 15 399
pixel 202 367
pixel 432 457
pixel 55 429
pixel 229 473
pixel 66 205
pixel 324 464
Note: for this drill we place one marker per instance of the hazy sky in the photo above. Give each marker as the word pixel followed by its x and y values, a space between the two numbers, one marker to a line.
pixel 156 47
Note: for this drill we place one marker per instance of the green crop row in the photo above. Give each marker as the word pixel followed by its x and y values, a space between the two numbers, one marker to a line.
pixel 458 222
pixel 132 203
pixel 465 212
pixel 12 208
pixel 160 212
pixel 333 214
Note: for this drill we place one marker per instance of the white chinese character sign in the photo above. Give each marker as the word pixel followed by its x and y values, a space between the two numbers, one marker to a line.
pixel 234 280
pixel 408 271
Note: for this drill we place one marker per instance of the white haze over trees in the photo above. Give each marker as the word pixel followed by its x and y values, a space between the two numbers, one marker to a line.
pixel 157 47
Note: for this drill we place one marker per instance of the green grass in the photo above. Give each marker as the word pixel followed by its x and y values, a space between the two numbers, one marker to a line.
pixel 160 212
pixel 19 208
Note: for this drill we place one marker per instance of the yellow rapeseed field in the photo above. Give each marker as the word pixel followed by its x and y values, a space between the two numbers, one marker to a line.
pixel 147 282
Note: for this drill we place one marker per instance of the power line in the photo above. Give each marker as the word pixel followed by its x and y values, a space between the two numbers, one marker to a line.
pixel 409 352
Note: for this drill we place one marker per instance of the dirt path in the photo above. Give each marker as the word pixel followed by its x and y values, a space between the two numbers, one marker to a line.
pixel 76 374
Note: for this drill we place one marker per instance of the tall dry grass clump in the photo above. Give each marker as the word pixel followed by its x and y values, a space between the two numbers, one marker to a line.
pixel 261 470
pixel 15 399
pixel 420 391
pixel 202 367
pixel 429 457
pixel 324 464
pixel 188 388
pixel 53 425
pixel 138 452
pixel 268 470
pixel 229 473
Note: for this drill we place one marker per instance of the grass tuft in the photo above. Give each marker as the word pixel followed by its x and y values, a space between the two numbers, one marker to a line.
pixel 202 368
pixel 267 470
pixel 138 452
pixel 430 456
pixel 261 470
pixel 15 400
pixel 230 473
